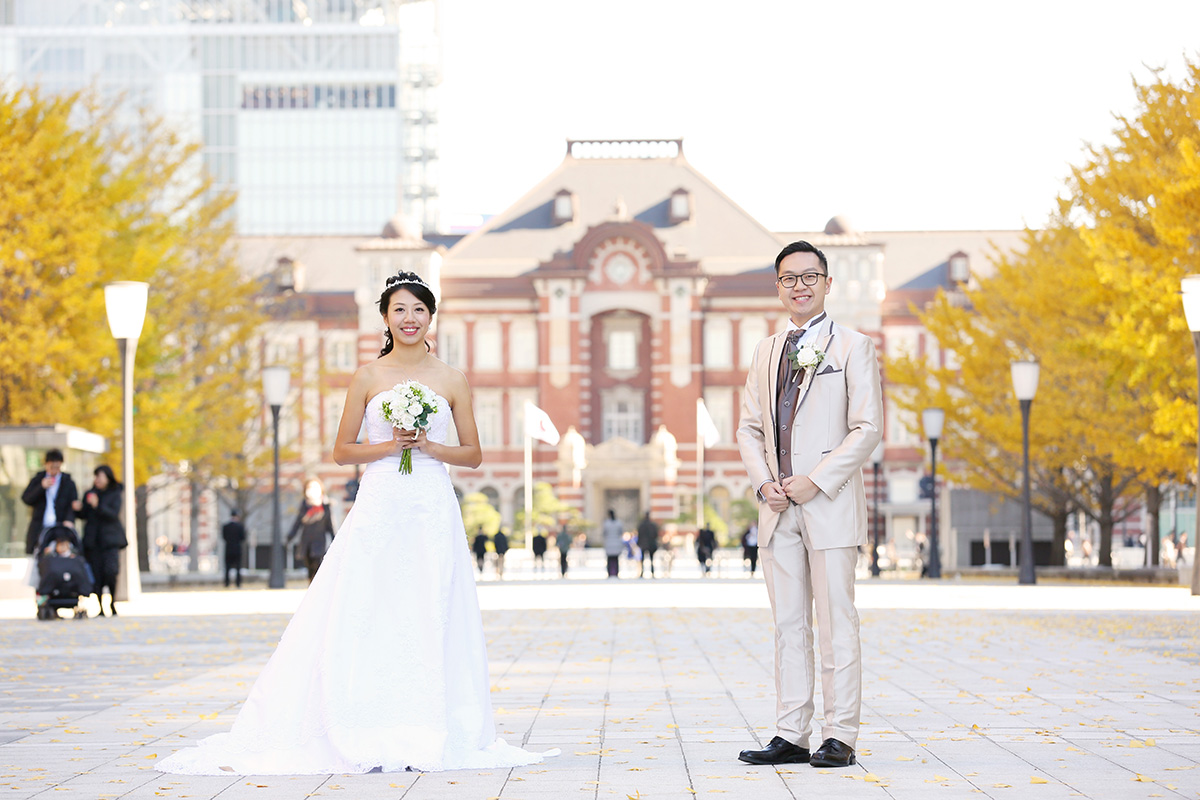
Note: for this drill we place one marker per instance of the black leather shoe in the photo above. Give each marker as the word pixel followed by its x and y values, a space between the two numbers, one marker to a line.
pixel 833 753
pixel 779 751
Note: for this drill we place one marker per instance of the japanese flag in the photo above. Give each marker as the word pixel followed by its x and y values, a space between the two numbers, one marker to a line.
pixel 706 429
pixel 538 425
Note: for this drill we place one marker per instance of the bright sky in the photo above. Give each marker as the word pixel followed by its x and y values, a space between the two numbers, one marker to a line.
pixel 899 115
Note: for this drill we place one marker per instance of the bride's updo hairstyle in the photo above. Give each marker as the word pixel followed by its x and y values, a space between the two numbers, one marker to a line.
pixel 417 287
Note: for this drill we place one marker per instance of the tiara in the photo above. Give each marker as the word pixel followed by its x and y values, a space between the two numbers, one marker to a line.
pixel 396 280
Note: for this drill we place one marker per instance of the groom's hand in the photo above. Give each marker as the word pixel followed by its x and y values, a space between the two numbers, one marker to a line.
pixel 800 489
pixel 776 499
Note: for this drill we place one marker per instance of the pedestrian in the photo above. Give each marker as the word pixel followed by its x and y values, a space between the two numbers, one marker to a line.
pixel 647 539
pixel 706 545
pixel 234 534
pixel 805 465
pixel 500 545
pixel 613 542
pixel 1180 545
pixel 103 534
pixel 563 543
pixel 750 547
pixel 539 551
pixel 314 524
pixel 667 545
pixel 54 499
pixel 479 547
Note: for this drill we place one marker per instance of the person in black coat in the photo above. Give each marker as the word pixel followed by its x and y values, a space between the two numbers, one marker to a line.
pixel 103 534
pixel 539 551
pixel 500 543
pixel 314 523
pixel 750 547
pixel 479 548
pixel 234 534
pixel 706 545
pixel 51 482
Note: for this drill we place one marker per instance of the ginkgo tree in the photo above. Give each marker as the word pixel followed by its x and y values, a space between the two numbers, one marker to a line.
pixel 85 200
pixel 1094 298
pixel 1137 202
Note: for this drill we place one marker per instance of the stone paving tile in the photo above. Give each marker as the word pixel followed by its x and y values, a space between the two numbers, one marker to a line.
pixel 648 703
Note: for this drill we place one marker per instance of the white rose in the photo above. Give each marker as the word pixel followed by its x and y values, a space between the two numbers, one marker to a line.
pixel 406 421
pixel 415 409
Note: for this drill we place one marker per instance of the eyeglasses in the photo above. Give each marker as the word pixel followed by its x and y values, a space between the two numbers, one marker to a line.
pixel 808 278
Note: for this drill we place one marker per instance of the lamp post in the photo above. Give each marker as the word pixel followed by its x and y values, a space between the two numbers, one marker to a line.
pixel 276 382
pixel 1190 286
pixel 1025 383
pixel 876 463
pixel 933 419
pixel 125 306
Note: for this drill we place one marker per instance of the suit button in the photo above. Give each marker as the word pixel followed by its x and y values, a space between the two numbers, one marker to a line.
pixel 783 427
pixel 787 403
pixel 783 452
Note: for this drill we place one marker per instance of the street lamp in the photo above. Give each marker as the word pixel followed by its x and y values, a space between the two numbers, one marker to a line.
pixel 933 419
pixel 1190 286
pixel 276 383
pixel 876 463
pixel 125 305
pixel 1025 383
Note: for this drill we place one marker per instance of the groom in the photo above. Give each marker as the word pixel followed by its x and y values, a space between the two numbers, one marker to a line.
pixel 805 432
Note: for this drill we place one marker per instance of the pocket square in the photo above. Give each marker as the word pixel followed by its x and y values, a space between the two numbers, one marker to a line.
pixel 828 369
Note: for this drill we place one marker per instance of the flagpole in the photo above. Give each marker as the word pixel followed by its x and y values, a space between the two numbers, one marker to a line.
pixel 699 469
pixel 528 480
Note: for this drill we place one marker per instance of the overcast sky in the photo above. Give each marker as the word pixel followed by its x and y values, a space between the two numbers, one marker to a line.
pixel 898 115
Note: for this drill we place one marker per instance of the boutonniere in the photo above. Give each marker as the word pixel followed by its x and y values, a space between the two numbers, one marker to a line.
pixel 806 357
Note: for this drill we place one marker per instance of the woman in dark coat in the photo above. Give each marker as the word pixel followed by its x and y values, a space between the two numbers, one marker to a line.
pixel 103 534
pixel 314 523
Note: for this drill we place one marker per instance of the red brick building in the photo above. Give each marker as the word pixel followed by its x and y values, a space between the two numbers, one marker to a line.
pixel 616 293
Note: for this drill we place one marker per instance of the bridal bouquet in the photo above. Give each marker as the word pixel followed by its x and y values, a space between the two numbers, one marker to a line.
pixel 409 405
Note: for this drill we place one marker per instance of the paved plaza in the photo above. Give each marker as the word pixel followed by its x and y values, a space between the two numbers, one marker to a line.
pixel 650 689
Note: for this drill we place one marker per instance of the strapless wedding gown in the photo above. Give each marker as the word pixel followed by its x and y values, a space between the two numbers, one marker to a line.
pixel 384 663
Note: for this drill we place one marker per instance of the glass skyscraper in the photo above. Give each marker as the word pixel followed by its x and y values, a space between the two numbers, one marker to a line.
pixel 320 114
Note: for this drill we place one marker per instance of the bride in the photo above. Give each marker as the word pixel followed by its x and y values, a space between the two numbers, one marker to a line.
pixel 383 664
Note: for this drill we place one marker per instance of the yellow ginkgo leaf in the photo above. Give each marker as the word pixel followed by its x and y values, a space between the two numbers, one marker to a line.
pixel 1036 779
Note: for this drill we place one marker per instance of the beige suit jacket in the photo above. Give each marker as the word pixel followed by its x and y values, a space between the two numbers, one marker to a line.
pixel 838 423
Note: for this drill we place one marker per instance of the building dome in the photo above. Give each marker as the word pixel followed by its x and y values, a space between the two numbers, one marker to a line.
pixel 401 226
pixel 838 226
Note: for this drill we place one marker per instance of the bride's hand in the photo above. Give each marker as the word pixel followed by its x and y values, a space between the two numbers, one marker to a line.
pixel 409 440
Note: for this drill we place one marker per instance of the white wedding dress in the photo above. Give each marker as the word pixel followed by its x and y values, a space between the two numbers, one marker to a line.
pixel 384 663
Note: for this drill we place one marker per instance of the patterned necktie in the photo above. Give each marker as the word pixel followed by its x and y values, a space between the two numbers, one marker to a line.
pixel 793 341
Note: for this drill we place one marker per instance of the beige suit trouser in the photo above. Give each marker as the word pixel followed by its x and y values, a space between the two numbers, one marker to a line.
pixel 797 579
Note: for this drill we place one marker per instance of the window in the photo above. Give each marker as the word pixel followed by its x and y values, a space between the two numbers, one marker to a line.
pixel 718 343
pixel 487 345
pixel 622 350
pixel 333 417
pixel 489 417
pixel 523 344
pixel 451 335
pixel 719 402
pixel 623 415
pixel 340 354
pixel 751 331
pixel 516 414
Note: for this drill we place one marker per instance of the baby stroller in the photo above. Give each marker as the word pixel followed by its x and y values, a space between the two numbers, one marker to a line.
pixel 63 574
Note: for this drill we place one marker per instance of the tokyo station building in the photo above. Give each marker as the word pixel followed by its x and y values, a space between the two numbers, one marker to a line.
pixel 614 294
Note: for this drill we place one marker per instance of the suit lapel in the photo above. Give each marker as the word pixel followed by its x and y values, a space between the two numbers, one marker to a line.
pixel 823 341
pixel 772 384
